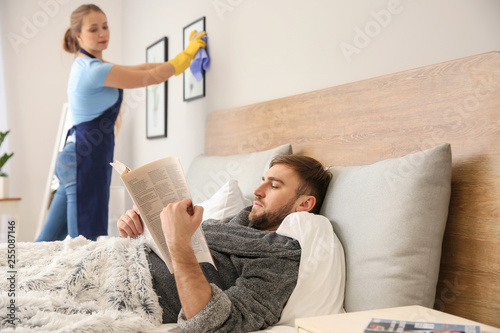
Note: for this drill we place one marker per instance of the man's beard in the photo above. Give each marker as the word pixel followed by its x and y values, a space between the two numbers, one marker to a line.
pixel 270 220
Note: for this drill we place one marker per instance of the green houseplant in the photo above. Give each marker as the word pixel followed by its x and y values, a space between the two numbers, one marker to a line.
pixel 5 156
pixel 4 181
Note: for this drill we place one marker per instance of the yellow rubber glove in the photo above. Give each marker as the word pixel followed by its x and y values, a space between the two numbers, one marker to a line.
pixel 182 61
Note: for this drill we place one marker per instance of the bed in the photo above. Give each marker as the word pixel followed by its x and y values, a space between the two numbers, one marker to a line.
pixel 456 102
pixel 415 193
pixel 444 117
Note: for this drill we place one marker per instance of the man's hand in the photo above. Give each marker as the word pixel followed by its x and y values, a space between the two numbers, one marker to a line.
pixel 130 224
pixel 179 222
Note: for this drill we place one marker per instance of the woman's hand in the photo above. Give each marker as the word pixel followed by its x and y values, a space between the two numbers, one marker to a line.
pixel 183 60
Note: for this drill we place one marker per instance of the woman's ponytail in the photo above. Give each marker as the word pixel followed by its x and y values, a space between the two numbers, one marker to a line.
pixel 70 44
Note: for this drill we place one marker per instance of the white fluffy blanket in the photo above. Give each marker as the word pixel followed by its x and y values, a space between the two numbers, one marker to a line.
pixel 78 286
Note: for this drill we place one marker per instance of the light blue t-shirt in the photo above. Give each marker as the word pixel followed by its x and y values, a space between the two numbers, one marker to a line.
pixel 88 98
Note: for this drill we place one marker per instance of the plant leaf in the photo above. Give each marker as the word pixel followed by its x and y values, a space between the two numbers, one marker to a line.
pixel 3 135
pixel 4 159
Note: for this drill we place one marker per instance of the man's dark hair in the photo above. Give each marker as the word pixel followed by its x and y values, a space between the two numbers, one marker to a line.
pixel 314 177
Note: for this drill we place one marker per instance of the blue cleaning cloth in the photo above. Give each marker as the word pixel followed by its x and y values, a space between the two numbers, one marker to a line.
pixel 201 61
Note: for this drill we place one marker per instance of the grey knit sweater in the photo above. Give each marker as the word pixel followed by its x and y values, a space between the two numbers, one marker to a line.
pixel 256 274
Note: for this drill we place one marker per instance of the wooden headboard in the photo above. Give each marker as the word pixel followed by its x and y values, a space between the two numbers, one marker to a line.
pixel 390 116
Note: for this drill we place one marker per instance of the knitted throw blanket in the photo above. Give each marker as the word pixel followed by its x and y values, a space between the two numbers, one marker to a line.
pixel 78 286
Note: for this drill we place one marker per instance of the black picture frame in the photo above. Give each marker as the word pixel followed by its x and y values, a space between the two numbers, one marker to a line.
pixel 193 89
pixel 157 94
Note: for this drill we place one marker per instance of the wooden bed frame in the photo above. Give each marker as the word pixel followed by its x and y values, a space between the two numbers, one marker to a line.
pixel 390 116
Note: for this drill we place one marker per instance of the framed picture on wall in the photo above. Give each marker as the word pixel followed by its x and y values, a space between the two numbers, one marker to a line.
pixel 193 88
pixel 157 95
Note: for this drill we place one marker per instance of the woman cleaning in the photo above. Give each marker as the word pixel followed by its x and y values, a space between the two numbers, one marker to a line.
pixel 80 205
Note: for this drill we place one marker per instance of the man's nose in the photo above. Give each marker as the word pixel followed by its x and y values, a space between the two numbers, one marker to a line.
pixel 259 191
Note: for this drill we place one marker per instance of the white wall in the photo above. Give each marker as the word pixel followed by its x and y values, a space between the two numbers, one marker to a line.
pixel 3 111
pixel 260 50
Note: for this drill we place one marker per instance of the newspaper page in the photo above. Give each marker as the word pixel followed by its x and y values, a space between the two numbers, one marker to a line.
pixel 152 187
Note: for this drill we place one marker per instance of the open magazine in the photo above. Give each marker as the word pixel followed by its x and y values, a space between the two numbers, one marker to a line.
pixel 377 325
pixel 152 187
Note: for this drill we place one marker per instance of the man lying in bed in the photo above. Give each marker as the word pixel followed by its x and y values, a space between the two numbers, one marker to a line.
pixel 257 268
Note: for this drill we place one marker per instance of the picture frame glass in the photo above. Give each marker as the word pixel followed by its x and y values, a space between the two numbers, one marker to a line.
pixel 193 89
pixel 156 95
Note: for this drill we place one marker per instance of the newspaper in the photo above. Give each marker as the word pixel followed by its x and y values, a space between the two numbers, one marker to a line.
pixel 152 187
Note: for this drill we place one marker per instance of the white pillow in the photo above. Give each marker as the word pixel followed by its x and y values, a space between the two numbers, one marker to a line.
pixel 207 174
pixel 321 281
pixel 390 217
pixel 226 202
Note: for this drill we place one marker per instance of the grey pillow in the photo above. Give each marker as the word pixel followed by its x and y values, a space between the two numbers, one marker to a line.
pixel 207 174
pixel 390 216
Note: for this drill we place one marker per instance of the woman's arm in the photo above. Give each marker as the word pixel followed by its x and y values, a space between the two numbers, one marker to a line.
pixel 126 77
pixel 143 75
pixel 144 66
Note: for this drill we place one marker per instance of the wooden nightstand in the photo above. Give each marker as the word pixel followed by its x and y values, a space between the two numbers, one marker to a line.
pixel 356 322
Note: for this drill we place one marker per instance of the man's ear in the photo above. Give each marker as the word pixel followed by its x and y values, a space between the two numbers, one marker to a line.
pixel 305 203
